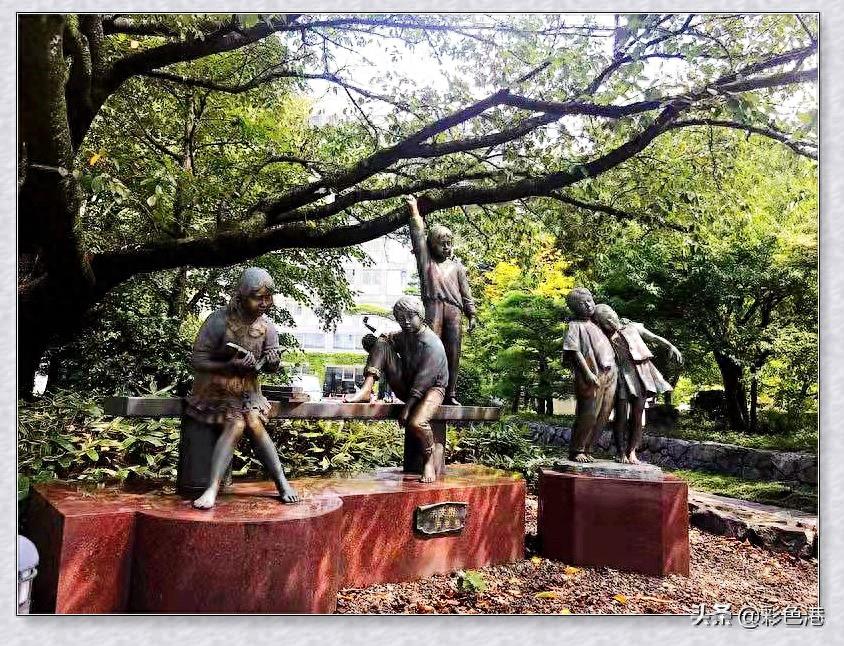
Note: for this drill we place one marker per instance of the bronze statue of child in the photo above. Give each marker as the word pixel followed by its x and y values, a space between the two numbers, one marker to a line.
pixel 593 362
pixel 445 290
pixel 639 381
pixel 413 361
pixel 233 345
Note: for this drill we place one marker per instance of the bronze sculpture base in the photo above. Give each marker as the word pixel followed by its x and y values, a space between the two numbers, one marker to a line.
pixel 112 550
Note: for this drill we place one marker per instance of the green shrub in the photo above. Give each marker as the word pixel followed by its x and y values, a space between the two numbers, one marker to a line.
pixel 321 447
pixel 64 435
pixel 501 445
pixel 470 582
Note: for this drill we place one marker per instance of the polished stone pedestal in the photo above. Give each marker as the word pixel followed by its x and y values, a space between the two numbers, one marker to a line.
pixel 114 550
pixel 637 525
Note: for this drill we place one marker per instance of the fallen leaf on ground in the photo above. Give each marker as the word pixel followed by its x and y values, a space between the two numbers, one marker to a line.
pixel 565 611
pixel 536 560
pixel 571 571
pixel 547 594
pixel 620 598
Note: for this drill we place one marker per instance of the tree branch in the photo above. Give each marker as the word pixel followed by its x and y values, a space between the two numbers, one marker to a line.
pixel 617 213
pixel 224 39
pixel 797 146
pixel 375 163
pixel 232 247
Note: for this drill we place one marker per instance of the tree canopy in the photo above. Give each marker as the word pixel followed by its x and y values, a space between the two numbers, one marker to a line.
pixel 156 143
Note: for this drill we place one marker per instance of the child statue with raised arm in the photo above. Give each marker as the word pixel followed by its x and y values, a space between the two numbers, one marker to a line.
pixel 445 290
pixel 234 344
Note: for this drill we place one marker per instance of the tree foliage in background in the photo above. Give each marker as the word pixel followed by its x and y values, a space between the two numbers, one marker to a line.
pixel 738 289
pixel 517 347
pixel 154 143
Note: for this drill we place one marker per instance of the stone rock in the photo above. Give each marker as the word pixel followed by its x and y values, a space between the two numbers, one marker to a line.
pixel 610 469
pixel 775 528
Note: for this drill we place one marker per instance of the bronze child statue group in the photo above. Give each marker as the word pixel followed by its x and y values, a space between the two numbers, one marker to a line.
pixel 612 371
pixel 611 363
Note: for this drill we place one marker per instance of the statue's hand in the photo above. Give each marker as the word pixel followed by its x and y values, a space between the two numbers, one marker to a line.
pixel 676 356
pixel 245 362
pixel 273 356
pixel 412 205
pixel 473 323
pixel 403 417
pixel 592 378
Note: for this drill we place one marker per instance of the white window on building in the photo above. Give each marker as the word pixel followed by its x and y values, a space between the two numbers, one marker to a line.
pixel 370 279
pixel 347 341
pixel 311 340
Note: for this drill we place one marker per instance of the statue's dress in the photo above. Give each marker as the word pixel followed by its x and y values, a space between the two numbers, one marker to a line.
pixel 638 376
pixel 220 396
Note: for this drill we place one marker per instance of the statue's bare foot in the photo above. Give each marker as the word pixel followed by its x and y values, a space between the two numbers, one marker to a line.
pixel 429 471
pixel 580 457
pixel 289 495
pixel 361 396
pixel 633 459
pixel 206 500
pixel 624 459
pixel 589 458
pixel 451 401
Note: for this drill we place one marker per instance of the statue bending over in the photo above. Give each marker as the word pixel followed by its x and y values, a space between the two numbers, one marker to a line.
pixel 639 381
pixel 413 361
pixel 233 345
pixel 445 290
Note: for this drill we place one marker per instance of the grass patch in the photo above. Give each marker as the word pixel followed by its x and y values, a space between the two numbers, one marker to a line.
pixel 700 429
pixel 803 497
pixel 691 427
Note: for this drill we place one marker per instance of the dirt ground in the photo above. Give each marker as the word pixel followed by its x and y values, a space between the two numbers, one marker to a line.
pixel 722 571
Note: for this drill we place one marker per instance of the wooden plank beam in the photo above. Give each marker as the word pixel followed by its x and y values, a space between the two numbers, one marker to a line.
pixel 173 407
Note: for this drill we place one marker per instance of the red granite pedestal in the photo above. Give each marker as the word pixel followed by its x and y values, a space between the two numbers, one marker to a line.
pixel 112 550
pixel 633 525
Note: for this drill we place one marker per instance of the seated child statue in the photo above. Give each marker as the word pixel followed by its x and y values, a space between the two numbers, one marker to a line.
pixel 639 381
pixel 413 362
pixel 593 363
pixel 233 345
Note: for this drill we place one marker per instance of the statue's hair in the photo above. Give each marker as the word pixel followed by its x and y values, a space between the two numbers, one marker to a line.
pixel 604 312
pixel 254 278
pixel 575 295
pixel 438 232
pixel 407 305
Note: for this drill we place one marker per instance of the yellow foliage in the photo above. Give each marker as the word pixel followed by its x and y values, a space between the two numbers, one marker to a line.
pixel 502 279
pixel 553 282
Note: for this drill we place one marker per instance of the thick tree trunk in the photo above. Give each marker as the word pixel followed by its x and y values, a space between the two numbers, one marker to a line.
pixel 48 314
pixel 754 400
pixel 734 391
pixel 514 403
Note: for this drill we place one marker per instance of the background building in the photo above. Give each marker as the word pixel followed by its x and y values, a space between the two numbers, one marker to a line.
pixel 379 284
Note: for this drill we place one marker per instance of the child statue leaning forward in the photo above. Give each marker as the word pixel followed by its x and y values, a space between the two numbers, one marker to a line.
pixel 413 361
pixel 234 344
